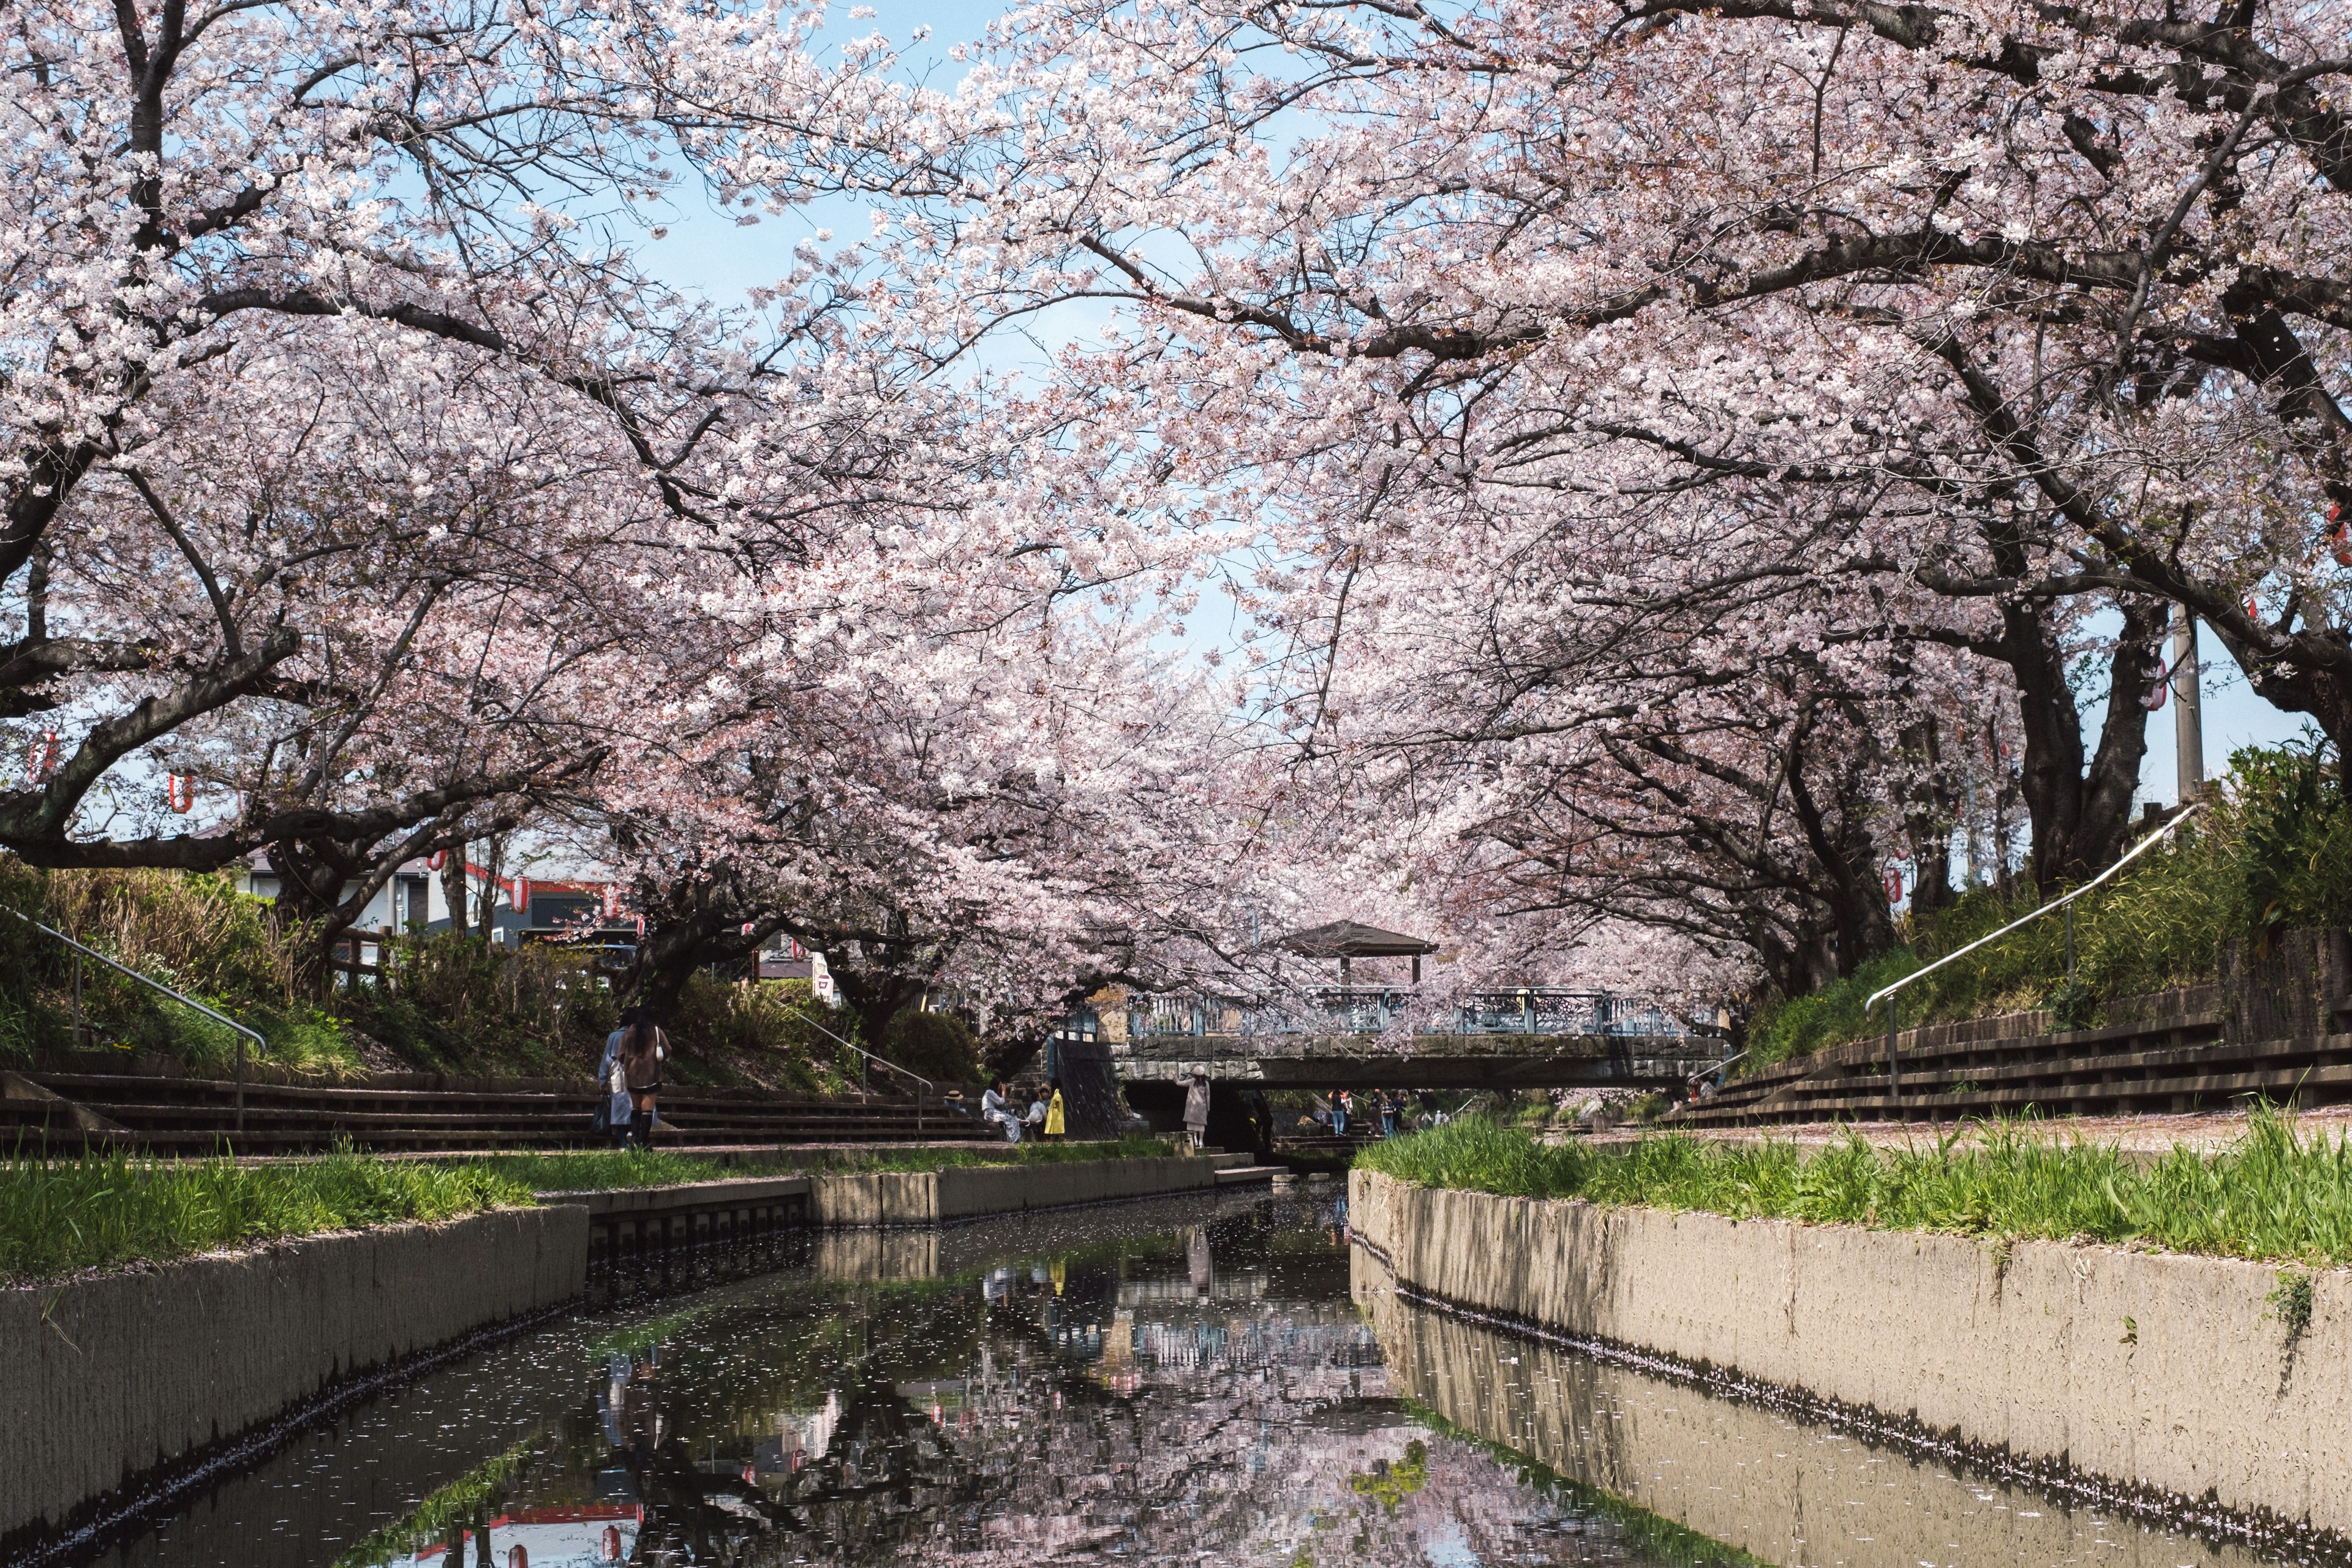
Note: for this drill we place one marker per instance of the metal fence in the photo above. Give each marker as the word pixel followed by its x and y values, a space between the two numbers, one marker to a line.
pixel 1528 1010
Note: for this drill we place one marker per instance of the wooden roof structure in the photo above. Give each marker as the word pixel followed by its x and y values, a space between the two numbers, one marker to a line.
pixel 1347 939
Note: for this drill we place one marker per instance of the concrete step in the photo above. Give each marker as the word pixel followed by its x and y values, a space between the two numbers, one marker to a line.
pixel 1245 1175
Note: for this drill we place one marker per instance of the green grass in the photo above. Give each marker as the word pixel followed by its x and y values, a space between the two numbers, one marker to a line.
pixel 656 1168
pixel 2276 1195
pixel 104 1211
pixel 2272 853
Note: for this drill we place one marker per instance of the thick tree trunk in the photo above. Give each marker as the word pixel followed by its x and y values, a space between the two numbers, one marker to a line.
pixel 2079 807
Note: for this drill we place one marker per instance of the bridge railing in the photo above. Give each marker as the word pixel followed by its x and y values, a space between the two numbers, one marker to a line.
pixel 1364 1010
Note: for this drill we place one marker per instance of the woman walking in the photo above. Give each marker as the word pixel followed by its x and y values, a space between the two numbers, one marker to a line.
pixel 644 1047
pixel 1196 1114
pixel 613 1086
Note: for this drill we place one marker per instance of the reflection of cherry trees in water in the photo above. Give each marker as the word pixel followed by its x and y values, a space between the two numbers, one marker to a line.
pixel 1209 1391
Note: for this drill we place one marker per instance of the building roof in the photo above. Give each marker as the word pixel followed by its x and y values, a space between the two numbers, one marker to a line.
pixel 1347 939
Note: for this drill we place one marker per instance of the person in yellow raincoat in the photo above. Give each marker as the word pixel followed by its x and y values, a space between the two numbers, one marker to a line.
pixel 1053 1114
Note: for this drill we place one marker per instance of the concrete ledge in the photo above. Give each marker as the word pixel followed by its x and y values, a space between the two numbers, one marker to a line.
pixel 112 1378
pixel 2150 1369
pixel 965 1192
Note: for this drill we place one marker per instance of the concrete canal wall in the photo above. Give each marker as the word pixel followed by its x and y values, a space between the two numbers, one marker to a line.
pixel 109 1378
pixel 965 1192
pixel 2189 1374
pixel 1792 1492
pixel 134 1376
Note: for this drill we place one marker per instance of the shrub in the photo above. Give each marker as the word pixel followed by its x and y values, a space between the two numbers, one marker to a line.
pixel 193 933
pixel 939 1045
pixel 456 1003
pixel 775 1031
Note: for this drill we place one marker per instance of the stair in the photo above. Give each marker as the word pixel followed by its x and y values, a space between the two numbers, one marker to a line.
pixel 2164 1063
pixel 196 1115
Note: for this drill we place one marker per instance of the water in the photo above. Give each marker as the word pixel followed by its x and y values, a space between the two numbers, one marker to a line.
pixel 1195 1382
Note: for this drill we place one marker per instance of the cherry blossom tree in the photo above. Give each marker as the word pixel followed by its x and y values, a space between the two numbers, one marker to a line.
pixel 2038 309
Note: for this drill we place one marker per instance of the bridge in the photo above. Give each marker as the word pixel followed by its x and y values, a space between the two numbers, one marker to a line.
pixel 1390 1038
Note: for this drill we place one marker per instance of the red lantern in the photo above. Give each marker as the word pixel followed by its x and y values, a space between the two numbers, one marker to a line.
pixel 179 792
pixel 438 858
pixel 43 758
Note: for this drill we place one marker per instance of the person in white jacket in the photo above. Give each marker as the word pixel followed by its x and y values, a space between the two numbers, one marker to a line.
pixel 996 1105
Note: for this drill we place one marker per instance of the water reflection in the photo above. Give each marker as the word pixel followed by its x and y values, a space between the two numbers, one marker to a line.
pixel 1790 1492
pixel 1191 1381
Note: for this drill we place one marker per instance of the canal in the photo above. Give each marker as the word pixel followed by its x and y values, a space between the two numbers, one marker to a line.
pixel 1205 1381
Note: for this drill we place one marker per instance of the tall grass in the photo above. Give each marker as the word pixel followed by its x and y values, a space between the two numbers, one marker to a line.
pixel 196 933
pixel 102 1211
pixel 2277 1194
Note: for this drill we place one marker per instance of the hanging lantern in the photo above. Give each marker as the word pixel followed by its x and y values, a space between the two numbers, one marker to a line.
pixel 1894 883
pixel 179 792
pixel 438 858
pixel 2339 544
pixel 44 757
pixel 612 901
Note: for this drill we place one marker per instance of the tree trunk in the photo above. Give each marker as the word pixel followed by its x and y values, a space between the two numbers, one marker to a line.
pixel 453 889
pixel 493 854
pixel 1928 822
pixel 2079 808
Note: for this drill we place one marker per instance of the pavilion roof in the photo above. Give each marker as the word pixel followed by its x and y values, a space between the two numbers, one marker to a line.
pixel 1347 939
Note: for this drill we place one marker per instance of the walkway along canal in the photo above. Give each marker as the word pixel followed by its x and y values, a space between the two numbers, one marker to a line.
pixel 1216 1379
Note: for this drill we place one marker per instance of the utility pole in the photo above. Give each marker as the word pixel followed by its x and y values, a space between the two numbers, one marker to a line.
pixel 2188 720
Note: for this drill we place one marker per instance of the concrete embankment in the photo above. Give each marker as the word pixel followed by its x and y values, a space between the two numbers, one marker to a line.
pixel 115 1378
pixel 2202 1377
pixel 1788 1490
pixel 121 1381
pixel 966 1192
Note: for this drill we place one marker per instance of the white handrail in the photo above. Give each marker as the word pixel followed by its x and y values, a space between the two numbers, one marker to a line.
pixel 2135 852
pixel 1894 1060
pixel 242 1033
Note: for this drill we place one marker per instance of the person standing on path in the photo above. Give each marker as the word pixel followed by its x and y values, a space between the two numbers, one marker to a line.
pixel 1387 1106
pixel 1196 1114
pixel 612 1083
pixel 1054 1113
pixel 644 1047
pixel 1339 1113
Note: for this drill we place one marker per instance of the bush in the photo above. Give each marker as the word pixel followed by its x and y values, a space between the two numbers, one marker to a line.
pixel 939 1045
pixel 457 1003
pixel 773 1031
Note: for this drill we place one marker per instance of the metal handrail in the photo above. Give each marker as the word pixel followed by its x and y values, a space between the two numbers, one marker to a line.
pixel 878 1061
pixel 1886 994
pixel 243 1034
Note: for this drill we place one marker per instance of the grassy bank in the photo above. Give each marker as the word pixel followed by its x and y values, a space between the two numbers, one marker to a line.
pixel 2276 1196
pixel 2273 852
pixel 586 1171
pixel 107 1211
pixel 451 1003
